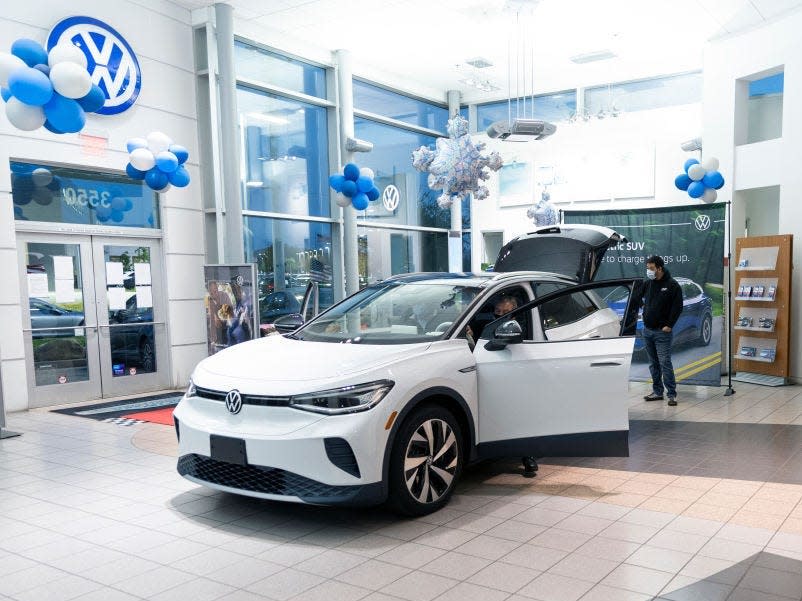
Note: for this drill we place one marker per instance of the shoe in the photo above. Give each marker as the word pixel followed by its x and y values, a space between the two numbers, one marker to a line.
pixel 653 397
pixel 672 401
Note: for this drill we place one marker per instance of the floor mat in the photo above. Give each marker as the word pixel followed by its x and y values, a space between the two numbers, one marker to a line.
pixel 155 416
pixel 121 411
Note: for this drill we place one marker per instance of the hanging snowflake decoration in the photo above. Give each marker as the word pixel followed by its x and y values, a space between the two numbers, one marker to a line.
pixel 457 165
pixel 543 213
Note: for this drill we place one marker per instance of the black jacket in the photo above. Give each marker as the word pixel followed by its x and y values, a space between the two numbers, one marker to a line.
pixel 662 301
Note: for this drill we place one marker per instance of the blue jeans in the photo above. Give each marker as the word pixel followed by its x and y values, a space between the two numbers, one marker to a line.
pixel 658 347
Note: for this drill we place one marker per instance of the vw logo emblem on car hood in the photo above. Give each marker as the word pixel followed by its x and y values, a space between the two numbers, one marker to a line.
pixel 702 223
pixel 110 60
pixel 234 401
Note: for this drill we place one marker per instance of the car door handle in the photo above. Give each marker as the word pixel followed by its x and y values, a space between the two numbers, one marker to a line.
pixel 605 364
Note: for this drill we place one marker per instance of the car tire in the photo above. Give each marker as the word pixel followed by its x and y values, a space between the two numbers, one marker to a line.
pixel 425 462
pixel 705 330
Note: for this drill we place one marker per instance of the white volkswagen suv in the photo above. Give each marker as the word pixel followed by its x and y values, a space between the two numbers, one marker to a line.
pixel 391 392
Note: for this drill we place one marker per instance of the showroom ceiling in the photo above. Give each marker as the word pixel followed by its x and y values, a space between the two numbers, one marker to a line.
pixel 426 46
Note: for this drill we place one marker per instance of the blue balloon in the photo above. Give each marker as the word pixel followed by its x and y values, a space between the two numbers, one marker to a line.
pixel 364 183
pixel 180 177
pixel 688 164
pixel 351 172
pixel 102 213
pixel 713 179
pixel 156 179
pixel 5 93
pixel 696 189
pixel 129 204
pixel 30 51
pixel 30 86
pixel 166 161
pixel 135 143
pixel 118 204
pixel 336 181
pixel 373 193
pixel 43 68
pixel 65 114
pixel 94 100
pixel 360 201
pixel 181 153
pixel 117 216
pixel 349 188
pixel 682 181
pixel 49 127
pixel 134 173
pixel 55 184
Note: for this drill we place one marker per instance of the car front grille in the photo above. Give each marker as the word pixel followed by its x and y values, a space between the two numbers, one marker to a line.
pixel 247 399
pixel 266 480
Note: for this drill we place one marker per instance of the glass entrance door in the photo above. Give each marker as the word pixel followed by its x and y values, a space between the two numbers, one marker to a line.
pixel 93 320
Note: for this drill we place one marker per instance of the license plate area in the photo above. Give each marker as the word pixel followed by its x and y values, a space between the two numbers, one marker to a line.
pixel 227 449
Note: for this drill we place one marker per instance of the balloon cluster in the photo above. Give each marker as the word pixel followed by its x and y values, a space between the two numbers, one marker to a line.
pixel 701 180
pixel 456 165
pixel 51 89
pixel 37 185
pixel 354 186
pixel 158 161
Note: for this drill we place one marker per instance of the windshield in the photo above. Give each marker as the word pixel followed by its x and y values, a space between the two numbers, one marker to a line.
pixel 392 313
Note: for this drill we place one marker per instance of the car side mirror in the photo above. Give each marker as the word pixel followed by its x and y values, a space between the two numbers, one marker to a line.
pixel 289 323
pixel 508 332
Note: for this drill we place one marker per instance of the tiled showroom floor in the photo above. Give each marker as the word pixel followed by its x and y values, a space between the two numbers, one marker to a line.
pixel 707 507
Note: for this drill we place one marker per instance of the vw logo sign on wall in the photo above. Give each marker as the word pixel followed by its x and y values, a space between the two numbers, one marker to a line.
pixel 390 198
pixel 234 401
pixel 702 223
pixel 110 60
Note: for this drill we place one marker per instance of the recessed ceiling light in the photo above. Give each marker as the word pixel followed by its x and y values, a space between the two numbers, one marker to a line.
pixel 590 57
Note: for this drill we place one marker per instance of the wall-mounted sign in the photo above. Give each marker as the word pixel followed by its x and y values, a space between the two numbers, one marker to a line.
pixel 110 60
pixel 390 198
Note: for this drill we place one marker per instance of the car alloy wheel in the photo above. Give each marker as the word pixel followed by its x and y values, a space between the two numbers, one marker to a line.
pixel 706 331
pixel 426 462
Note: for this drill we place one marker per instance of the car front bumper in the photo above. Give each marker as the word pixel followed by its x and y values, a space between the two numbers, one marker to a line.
pixel 288 454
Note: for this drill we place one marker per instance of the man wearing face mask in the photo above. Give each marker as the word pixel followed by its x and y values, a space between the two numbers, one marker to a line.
pixel 662 305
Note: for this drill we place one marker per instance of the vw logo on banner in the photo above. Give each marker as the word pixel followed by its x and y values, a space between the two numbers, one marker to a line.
pixel 702 222
pixel 390 198
pixel 234 401
pixel 110 60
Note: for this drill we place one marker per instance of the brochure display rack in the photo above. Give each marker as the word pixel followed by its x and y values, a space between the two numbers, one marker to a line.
pixel 762 294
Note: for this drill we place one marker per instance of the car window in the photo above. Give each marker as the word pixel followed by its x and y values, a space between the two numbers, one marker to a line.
pixel 491 309
pixel 392 313
pixel 690 290
pixel 566 309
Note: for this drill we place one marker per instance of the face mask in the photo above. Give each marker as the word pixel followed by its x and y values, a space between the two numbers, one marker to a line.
pixel 650 274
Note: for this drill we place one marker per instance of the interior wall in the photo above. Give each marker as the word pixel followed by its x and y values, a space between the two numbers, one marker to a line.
pixel 160 34
pixel 730 63
pixel 761 210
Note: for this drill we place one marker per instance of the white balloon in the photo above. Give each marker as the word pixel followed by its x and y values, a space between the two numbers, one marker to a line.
pixel 41 176
pixel 709 196
pixel 710 164
pixel 696 172
pixel 24 116
pixel 8 62
pixel 71 80
pixel 142 159
pixel 343 201
pixel 158 142
pixel 366 172
pixel 66 52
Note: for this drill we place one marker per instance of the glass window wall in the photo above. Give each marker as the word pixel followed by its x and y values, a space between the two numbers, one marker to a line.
pixel 288 255
pixel 380 101
pixel 285 154
pixel 67 195
pixel 654 93
pixel 385 252
pixel 551 107
pixel 765 109
pixel 262 65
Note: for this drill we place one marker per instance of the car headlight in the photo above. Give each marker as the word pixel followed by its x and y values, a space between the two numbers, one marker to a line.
pixel 191 390
pixel 348 399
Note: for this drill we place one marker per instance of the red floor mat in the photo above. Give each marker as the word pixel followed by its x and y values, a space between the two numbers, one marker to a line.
pixel 157 416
